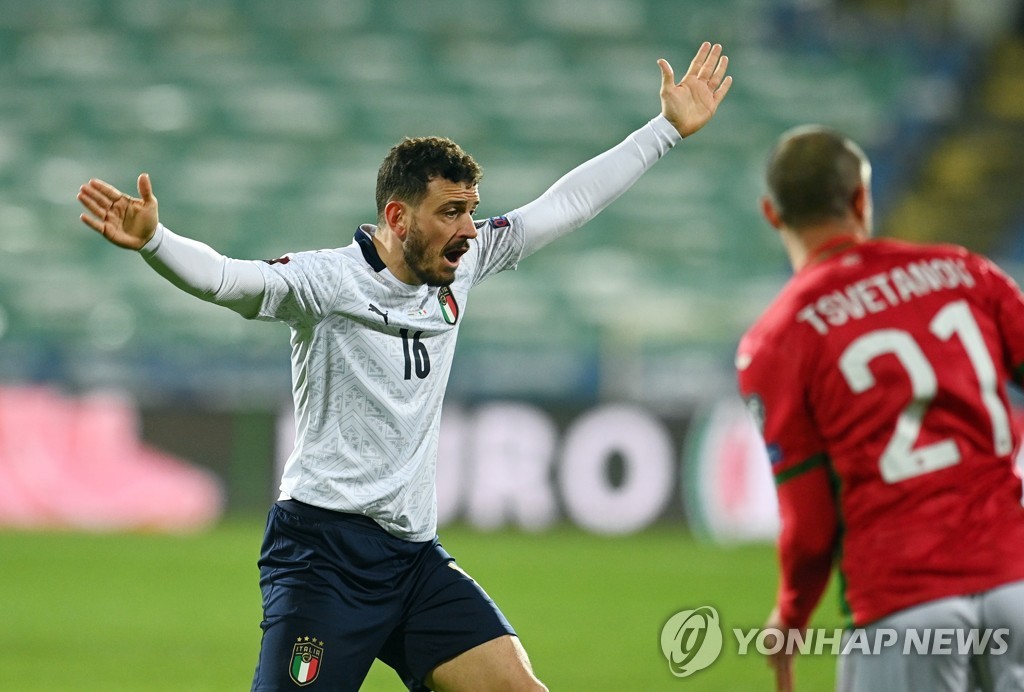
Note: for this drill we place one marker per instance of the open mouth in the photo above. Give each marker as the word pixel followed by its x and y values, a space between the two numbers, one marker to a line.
pixel 455 254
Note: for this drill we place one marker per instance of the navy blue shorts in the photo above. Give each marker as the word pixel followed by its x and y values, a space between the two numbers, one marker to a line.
pixel 339 591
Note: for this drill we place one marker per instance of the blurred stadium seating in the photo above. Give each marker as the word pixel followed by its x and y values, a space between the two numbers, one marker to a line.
pixel 263 123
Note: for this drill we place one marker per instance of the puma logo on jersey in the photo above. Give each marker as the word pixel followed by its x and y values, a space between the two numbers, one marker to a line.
pixel 374 308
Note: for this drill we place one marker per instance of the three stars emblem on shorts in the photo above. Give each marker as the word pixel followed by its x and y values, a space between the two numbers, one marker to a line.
pixel 307 654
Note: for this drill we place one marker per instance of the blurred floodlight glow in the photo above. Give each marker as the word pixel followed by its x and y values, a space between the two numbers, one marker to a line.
pixel 20 232
pixel 59 178
pixel 111 325
pixel 164 108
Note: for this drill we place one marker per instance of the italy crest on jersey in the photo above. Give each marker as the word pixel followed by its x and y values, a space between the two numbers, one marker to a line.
pixel 306 657
pixel 449 308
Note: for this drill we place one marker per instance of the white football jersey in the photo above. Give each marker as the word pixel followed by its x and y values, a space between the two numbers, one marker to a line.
pixel 370 363
pixel 370 354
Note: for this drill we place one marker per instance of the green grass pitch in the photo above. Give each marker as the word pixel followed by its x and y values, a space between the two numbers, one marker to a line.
pixel 143 612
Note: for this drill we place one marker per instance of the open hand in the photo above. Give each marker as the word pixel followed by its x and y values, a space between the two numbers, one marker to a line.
pixel 127 222
pixel 689 104
pixel 781 662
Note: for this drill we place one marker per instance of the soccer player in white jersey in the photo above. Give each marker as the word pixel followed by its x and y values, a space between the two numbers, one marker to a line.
pixel 351 568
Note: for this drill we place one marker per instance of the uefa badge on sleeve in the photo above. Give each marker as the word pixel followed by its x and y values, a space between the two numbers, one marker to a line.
pixel 306 657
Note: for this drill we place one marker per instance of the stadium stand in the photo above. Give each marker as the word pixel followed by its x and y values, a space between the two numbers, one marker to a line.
pixel 263 123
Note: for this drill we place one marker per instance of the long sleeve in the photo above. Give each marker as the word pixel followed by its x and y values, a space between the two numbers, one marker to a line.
pixel 198 269
pixel 583 192
pixel 806 544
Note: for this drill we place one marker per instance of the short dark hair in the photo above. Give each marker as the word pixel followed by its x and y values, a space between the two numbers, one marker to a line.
pixel 414 162
pixel 812 174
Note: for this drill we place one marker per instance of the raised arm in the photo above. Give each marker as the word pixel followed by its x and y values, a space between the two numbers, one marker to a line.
pixel 133 223
pixel 586 190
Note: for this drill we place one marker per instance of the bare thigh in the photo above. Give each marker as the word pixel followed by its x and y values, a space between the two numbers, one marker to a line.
pixel 500 664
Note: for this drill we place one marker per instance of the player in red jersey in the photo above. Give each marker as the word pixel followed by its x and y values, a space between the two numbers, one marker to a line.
pixel 878 378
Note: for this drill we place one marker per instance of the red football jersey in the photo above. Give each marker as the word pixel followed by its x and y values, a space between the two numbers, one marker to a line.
pixel 887 363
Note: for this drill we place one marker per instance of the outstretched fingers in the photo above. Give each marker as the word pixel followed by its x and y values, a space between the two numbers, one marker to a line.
pixel 92 192
pixel 91 205
pixel 712 69
pixel 89 199
pixel 699 59
pixel 718 76
pixel 125 221
pixel 103 189
pixel 99 199
pixel 92 222
pixel 711 63
pixel 722 90
pixel 96 202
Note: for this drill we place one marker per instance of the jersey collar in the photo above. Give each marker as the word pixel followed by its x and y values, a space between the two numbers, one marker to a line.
pixel 364 236
pixel 832 247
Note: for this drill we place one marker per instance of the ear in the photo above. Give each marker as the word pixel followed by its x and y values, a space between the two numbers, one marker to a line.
pixel 770 212
pixel 395 217
pixel 860 204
